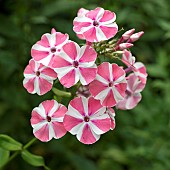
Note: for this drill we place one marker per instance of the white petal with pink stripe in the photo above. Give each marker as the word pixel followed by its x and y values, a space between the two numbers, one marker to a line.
pixel 75 63
pixel 47 120
pixel 44 51
pixel 95 25
pixel 110 84
pixel 86 119
pixel 38 78
pixel 133 96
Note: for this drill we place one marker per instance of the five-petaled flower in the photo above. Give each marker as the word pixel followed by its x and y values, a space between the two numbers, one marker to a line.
pixel 47 120
pixel 95 25
pixel 38 78
pixel 45 50
pixel 75 63
pixel 86 119
pixel 133 96
pixel 110 84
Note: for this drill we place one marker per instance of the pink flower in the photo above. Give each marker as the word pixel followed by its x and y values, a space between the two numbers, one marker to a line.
pixel 137 67
pixel 95 25
pixel 133 96
pixel 47 120
pixel 110 84
pixel 38 78
pixel 86 119
pixel 111 114
pixel 44 51
pixel 75 63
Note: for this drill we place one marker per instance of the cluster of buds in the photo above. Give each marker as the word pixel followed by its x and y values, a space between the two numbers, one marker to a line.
pixel 100 87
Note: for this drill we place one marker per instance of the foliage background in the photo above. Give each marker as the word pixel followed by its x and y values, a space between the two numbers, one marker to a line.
pixel 141 139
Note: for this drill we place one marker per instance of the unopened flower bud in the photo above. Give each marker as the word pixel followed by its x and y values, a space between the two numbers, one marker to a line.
pixel 135 37
pixel 127 34
pixel 123 46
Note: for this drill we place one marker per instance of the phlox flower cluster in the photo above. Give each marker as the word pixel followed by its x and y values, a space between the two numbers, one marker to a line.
pixel 101 87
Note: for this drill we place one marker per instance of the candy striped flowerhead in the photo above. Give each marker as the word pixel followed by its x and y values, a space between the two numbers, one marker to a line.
pixel 44 51
pixel 38 78
pixel 110 84
pixel 133 96
pixel 75 63
pixel 47 120
pixel 95 25
pixel 86 119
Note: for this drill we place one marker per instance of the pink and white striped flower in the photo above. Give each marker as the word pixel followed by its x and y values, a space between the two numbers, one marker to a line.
pixel 38 78
pixel 47 120
pixel 86 119
pixel 137 67
pixel 95 25
pixel 45 50
pixel 133 96
pixel 110 84
pixel 111 114
pixel 75 63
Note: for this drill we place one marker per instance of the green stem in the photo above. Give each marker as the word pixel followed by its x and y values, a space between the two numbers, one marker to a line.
pixel 27 145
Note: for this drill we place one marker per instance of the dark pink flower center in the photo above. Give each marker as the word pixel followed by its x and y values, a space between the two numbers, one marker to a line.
pixel 75 64
pixel 110 84
pixel 48 118
pixel 95 23
pixel 53 49
pixel 37 73
pixel 86 119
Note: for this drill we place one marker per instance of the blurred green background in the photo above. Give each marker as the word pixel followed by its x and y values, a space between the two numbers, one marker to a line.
pixel 141 140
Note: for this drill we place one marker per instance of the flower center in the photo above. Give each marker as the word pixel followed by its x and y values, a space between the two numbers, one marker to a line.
pixel 86 119
pixel 53 49
pixel 37 73
pixel 48 118
pixel 95 23
pixel 110 84
pixel 75 64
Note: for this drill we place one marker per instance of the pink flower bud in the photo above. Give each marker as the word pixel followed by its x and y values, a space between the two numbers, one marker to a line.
pixel 123 46
pixel 127 34
pixel 53 31
pixel 135 37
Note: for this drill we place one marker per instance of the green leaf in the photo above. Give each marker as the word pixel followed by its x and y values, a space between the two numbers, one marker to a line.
pixel 8 143
pixel 4 155
pixel 32 159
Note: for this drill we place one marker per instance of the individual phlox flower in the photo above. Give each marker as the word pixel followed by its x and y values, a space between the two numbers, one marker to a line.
pixel 45 50
pixel 109 85
pixel 111 114
pixel 133 95
pixel 137 67
pixel 38 78
pixel 75 63
pixel 86 119
pixel 95 25
pixel 47 120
